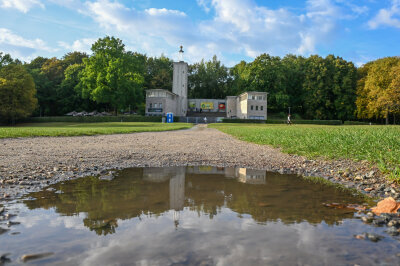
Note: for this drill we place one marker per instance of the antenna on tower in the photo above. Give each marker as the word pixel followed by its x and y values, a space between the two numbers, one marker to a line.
pixel 181 54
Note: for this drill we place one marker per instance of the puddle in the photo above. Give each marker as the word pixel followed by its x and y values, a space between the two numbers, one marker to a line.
pixel 193 215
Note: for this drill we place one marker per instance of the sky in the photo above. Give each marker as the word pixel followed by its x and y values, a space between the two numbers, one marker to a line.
pixel 234 30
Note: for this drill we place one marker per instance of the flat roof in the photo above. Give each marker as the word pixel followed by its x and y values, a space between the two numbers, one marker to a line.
pixel 259 92
pixel 167 91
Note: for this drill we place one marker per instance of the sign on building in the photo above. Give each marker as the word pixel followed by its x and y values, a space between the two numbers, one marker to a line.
pixel 207 105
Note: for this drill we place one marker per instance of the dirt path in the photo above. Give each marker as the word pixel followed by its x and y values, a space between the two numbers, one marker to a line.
pixel 27 164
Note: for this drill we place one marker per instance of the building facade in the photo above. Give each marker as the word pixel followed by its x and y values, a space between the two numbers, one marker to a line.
pixel 159 102
pixel 248 105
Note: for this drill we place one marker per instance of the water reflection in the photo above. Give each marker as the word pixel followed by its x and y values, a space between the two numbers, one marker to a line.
pixel 206 190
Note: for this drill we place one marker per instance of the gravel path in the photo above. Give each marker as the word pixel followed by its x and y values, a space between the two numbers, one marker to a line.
pixel 28 164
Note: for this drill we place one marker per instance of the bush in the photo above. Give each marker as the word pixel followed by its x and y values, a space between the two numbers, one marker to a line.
pixel 93 119
pixel 355 123
pixel 255 121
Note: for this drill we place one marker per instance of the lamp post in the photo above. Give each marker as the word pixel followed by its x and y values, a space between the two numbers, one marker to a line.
pixel 181 54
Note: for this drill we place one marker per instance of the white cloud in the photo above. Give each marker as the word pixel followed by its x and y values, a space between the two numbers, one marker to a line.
pixel 387 17
pixel 21 5
pixel 205 4
pixel 20 47
pixel 237 27
pixel 83 45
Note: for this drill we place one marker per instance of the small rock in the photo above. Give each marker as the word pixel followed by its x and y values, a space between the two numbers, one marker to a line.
pixel 29 257
pixel 388 205
pixel 373 237
pixel 2 210
pixel 358 178
pixel 370 174
pixel 55 169
pixel 361 237
pixel 368 189
pixel 392 223
pixel 3 230
pixel 379 221
pixel 392 231
pixel 366 219
pixel 4 259
pixel 370 214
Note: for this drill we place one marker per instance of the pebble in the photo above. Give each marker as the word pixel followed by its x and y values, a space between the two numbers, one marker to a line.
pixel 4 258
pixel 29 257
pixel 366 219
pixel 3 230
pixel 392 231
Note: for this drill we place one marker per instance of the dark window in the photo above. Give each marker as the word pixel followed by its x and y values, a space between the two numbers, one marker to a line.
pixel 262 107
pixel 256 107
pixel 251 107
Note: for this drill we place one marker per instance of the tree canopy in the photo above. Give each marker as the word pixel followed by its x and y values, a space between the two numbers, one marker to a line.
pixel 378 93
pixel 314 87
pixel 112 75
pixel 17 93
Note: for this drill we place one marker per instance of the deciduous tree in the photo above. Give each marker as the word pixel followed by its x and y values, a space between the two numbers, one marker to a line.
pixel 17 93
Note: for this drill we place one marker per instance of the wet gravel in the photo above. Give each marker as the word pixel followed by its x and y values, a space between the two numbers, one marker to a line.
pixel 29 164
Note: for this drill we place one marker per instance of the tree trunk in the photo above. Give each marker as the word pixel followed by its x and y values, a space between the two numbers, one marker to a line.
pixel 387 117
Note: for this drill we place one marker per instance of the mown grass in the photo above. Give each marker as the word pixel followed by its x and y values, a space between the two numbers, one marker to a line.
pixel 85 129
pixel 379 145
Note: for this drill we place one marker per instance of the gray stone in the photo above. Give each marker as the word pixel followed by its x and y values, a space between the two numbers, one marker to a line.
pixel 392 231
pixel 374 237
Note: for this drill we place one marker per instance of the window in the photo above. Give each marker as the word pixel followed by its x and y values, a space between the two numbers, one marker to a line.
pixel 155 105
pixel 251 107
pixel 256 107
pixel 160 104
pixel 262 108
pixel 259 97
pixel 151 105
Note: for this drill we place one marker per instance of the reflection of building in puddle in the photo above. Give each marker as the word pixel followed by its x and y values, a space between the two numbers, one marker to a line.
pixel 206 170
pixel 158 174
pixel 176 177
pixel 177 190
pixel 251 176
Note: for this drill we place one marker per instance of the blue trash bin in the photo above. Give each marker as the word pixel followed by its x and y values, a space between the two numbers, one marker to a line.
pixel 170 118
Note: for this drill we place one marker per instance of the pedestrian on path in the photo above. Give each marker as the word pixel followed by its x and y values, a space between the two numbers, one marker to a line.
pixel 289 122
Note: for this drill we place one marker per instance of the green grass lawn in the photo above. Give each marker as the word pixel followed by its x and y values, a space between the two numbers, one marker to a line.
pixel 80 129
pixel 377 144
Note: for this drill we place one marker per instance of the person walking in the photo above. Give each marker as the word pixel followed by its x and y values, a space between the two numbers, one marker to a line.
pixel 289 122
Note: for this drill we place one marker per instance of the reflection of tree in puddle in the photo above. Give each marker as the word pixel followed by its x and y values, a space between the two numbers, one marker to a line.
pixel 153 191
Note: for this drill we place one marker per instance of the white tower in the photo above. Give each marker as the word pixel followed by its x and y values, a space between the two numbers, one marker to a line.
pixel 180 84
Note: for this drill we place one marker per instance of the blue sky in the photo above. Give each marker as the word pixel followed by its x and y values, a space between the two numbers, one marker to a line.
pixel 234 30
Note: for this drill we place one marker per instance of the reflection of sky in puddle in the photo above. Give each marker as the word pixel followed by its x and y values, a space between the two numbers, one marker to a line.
pixel 184 234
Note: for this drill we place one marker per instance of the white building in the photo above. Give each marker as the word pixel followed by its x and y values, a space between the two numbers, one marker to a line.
pixel 248 105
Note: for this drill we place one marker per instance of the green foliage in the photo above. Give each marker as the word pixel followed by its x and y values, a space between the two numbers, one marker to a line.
pixel 112 75
pixel 355 123
pixel 377 144
pixel 378 91
pixel 208 80
pixel 159 73
pixel 17 93
pixel 85 129
pixel 5 59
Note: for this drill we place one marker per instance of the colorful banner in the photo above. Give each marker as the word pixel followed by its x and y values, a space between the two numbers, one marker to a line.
pixel 207 105
pixel 221 106
pixel 192 104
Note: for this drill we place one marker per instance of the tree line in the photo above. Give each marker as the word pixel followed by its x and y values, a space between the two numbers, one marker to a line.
pixel 114 79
